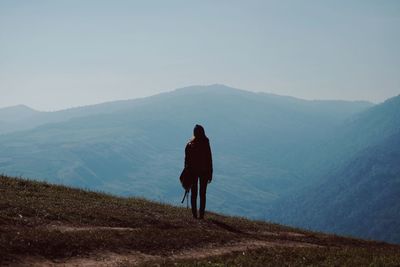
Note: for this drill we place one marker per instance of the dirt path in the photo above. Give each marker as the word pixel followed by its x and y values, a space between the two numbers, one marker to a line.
pixel 69 228
pixel 66 228
pixel 200 253
pixel 134 258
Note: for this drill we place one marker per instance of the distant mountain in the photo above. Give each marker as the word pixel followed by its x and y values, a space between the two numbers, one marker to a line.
pixel 361 195
pixel 12 117
pixel 16 113
pixel 261 143
pixel 19 118
pixel 356 133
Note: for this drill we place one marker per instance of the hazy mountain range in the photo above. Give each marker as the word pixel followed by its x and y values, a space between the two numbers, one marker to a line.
pixel 310 163
pixel 361 195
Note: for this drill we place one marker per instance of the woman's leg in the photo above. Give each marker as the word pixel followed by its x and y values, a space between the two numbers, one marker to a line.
pixel 203 189
pixel 193 195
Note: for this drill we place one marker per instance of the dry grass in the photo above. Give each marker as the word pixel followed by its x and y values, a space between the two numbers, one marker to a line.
pixel 34 214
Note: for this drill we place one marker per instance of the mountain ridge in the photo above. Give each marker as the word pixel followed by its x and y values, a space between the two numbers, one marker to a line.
pixel 176 116
pixel 37 118
pixel 188 88
pixel 358 194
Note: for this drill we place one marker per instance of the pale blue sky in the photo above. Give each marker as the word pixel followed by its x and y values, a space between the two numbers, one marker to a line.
pixel 58 54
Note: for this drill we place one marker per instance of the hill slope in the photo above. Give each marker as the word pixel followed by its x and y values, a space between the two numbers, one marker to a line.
pixel 54 225
pixel 361 195
pixel 360 131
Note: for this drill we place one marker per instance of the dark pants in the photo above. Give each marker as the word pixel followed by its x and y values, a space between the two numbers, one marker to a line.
pixel 203 189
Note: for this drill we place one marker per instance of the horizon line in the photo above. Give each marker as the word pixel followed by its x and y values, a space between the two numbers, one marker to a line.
pixel 188 88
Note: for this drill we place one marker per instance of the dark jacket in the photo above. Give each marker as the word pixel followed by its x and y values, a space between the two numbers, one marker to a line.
pixel 198 157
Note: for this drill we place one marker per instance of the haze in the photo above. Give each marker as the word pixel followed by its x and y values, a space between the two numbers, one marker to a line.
pixel 59 54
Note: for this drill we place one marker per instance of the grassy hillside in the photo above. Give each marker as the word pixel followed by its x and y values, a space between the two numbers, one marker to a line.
pixel 47 224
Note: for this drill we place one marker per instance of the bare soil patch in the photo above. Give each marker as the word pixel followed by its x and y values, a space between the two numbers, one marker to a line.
pixel 134 258
pixel 68 228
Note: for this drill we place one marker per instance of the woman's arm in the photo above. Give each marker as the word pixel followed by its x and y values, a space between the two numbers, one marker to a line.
pixel 186 156
pixel 209 155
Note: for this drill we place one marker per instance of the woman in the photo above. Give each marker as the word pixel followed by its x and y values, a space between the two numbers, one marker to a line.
pixel 198 161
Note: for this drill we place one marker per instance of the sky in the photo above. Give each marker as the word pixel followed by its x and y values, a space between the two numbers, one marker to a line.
pixel 61 54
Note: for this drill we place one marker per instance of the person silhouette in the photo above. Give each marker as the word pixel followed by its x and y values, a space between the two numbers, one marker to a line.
pixel 198 160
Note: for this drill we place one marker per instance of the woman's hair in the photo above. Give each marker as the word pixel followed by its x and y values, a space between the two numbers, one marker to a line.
pixel 199 133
